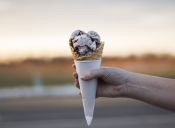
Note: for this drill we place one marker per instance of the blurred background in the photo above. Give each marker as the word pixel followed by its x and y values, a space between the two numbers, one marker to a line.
pixel 36 84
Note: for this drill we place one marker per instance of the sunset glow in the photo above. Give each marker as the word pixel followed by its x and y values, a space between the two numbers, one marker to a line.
pixel 36 28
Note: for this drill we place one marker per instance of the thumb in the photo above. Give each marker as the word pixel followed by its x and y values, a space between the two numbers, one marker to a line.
pixel 96 73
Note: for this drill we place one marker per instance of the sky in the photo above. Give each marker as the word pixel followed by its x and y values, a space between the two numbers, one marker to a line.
pixel 41 28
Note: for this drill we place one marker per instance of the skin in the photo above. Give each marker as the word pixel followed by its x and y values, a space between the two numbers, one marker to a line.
pixel 116 82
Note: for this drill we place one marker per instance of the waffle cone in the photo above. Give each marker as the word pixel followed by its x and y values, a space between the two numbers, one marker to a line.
pixel 96 55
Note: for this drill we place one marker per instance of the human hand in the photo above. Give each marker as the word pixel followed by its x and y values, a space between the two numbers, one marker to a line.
pixel 116 82
pixel 112 82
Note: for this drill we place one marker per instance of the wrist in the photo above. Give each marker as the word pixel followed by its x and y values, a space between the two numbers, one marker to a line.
pixel 131 86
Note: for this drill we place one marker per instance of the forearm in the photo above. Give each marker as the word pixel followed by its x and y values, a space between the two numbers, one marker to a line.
pixel 154 90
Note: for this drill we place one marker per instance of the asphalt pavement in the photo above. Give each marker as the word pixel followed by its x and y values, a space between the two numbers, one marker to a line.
pixel 67 112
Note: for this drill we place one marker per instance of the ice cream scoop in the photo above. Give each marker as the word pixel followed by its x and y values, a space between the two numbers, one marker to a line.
pixel 76 33
pixel 84 43
pixel 94 36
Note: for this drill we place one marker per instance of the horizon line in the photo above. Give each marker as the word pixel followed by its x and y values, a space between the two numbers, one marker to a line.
pixel 47 58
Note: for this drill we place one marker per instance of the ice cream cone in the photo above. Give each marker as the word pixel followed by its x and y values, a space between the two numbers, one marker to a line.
pixel 87 88
pixel 87 50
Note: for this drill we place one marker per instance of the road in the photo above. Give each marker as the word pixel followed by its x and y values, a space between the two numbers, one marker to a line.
pixel 54 112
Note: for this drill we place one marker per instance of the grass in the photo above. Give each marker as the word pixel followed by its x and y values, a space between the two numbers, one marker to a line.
pixel 58 71
pixel 20 80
